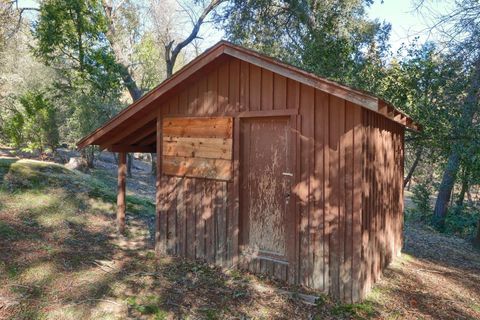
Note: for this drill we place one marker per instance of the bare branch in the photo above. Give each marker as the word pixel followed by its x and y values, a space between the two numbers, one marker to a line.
pixel 172 55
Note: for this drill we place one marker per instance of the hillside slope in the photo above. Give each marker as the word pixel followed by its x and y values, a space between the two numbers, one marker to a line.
pixel 60 258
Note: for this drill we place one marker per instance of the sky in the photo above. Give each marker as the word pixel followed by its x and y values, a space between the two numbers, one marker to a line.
pixel 407 23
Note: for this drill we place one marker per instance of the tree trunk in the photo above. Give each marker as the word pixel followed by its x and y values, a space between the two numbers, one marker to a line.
pixel 122 63
pixel 88 155
pixel 153 170
pixel 169 64
pixel 469 197
pixel 415 163
pixel 450 173
pixel 129 164
pixel 477 238
pixel 171 53
pixel 445 190
pixel 464 189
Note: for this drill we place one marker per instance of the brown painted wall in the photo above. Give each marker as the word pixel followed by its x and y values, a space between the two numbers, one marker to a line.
pixel 347 191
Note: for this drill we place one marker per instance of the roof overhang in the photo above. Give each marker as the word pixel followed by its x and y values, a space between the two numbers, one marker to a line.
pixel 140 112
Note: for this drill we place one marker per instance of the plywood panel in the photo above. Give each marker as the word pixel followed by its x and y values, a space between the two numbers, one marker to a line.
pixel 264 186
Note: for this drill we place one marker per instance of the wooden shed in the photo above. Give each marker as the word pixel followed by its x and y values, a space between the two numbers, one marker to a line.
pixel 266 167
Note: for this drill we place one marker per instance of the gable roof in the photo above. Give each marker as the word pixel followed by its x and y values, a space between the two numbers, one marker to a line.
pixel 222 48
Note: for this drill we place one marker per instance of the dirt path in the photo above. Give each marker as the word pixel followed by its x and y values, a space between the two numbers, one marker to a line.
pixel 437 277
pixel 61 258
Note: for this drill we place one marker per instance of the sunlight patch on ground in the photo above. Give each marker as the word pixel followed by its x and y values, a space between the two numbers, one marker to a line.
pixel 61 258
pixel 39 274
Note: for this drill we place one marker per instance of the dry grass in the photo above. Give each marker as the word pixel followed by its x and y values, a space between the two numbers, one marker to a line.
pixel 60 258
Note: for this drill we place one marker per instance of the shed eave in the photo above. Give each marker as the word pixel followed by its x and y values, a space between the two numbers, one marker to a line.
pixel 358 97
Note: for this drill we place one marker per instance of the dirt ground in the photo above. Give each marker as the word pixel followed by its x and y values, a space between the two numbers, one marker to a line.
pixel 60 258
pixel 437 277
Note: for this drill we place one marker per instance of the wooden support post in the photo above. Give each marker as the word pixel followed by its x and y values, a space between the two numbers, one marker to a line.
pixel 160 239
pixel 121 205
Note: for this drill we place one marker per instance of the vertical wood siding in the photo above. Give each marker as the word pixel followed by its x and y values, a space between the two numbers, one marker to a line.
pixel 348 184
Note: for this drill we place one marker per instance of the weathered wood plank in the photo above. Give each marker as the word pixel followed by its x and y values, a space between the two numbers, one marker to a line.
pixel 193 102
pixel 293 94
pixel 181 217
pixel 220 213
pixel 211 148
pixel 209 221
pixel 234 223
pixel 200 219
pixel 211 99
pixel 216 127
pixel 223 70
pixel 244 86
pixel 190 217
pixel 234 86
pixel 172 216
pixel 346 272
pixel 307 104
pixel 267 90
pixel 337 193
pixel 318 192
pixel 327 206
pixel 357 237
pixel 279 92
pixel 255 88
pixel 216 169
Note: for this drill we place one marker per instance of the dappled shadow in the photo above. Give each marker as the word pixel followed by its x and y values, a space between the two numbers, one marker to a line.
pixel 61 258
pixel 418 289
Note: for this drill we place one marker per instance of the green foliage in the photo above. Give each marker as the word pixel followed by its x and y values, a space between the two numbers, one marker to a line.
pixel 7 232
pixel 421 199
pixel 364 310
pixel 334 39
pixel 147 306
pixel 12 128
pixel 462 221
pixel 71 35
pixel 35 124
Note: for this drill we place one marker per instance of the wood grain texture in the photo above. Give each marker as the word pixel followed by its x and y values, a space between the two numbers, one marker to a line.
pixel 211 148
pixel 215 169
pixel 345 215
pixel 198 147
pixel 216 127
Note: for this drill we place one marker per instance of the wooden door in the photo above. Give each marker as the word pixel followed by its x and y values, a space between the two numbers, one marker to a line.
pixel 266 177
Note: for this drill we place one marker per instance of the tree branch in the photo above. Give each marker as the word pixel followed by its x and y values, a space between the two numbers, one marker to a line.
pixel 171 55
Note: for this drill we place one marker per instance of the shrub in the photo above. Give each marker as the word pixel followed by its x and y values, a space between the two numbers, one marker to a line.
pixel 34 124
pixel 421 200
pixel 462 221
